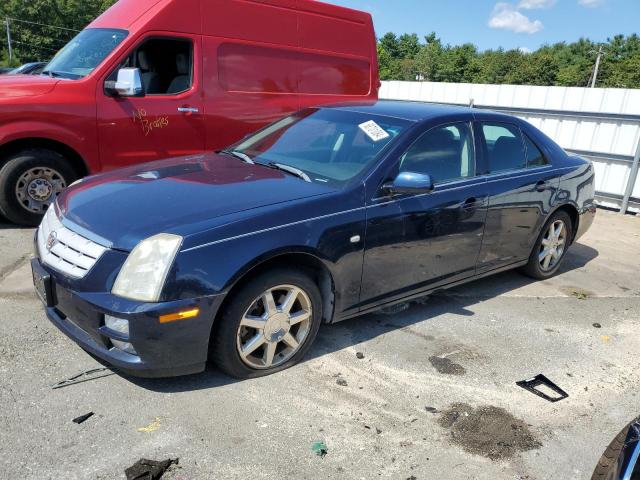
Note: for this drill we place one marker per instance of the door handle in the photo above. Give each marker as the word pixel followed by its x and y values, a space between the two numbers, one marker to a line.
pixel 541 186
pixel 188 110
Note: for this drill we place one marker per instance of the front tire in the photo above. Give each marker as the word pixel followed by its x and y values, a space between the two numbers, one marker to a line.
pixel 268 325
pixel 551 247
pixel 30 182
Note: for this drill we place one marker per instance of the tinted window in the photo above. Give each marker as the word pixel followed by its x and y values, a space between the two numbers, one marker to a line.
pixel 445 153
pixel 330 146
pixel 535 157
pixel 504 147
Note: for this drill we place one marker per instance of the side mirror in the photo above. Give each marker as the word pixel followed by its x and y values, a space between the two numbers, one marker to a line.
pixel 128 84
pixel 410 183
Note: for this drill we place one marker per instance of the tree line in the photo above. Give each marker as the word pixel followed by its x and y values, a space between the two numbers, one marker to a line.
pixel 406 57
pixel 403 57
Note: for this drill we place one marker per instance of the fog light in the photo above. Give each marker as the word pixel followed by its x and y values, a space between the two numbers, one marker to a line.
pixel 124 346
pixel 121 326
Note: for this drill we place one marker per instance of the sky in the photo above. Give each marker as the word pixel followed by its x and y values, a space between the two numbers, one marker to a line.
pixel 489 24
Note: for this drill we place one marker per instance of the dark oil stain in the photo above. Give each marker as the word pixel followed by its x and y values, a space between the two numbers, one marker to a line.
pixel 488 431
pixel 446 366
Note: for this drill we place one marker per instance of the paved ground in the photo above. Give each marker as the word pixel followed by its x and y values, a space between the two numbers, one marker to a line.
pixel 433 397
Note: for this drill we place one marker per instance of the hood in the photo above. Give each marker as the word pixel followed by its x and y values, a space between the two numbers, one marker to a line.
pixel 25 85
pixel 183 196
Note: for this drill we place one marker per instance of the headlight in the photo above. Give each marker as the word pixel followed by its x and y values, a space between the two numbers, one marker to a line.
pixel 145 271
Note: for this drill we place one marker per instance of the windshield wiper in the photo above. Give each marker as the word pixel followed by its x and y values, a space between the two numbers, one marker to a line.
pixel 52 73
pixel 289 169
pixel 234 153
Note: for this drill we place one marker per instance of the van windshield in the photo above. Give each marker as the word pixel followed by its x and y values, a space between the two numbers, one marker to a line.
pixel 323 145
pixel 84 53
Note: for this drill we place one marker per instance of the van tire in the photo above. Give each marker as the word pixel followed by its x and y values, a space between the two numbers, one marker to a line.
pixel 26 166
pixel 225 343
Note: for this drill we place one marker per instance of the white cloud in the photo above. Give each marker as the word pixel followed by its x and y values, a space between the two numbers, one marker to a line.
pixel 525 50
pixel 506 17
pixel 534 4
pixel 591 3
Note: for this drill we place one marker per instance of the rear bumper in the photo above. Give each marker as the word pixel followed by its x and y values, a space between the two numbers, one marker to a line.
pixel 163 350
pixel 585 220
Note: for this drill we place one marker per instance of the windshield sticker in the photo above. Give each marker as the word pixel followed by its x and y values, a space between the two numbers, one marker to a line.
pixel 374 131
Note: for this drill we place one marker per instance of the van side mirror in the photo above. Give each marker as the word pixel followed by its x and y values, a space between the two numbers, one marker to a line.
pixel 128 84
pixel 409 183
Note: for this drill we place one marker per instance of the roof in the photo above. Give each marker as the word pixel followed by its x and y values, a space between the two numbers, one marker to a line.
pixel 413 111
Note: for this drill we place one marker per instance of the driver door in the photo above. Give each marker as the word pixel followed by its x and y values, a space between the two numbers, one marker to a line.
pixel 418 242
pixel 167 121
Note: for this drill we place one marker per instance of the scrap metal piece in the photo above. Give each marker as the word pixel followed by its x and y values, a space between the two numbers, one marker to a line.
pixel 530 385
pixel 82 377
pixel 83 418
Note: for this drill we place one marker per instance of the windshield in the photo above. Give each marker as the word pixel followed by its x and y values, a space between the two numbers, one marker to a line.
pixel 329 146
pixel 85 52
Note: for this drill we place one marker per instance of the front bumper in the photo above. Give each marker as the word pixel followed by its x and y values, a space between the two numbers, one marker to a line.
pixel 163 350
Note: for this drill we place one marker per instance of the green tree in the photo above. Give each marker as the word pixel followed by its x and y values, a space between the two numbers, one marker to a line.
pixel 40 40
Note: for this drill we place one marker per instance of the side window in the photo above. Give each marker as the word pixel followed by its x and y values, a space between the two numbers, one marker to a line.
pixel 446 153
pixel 166 65
pixel 535 158
pixel 504 147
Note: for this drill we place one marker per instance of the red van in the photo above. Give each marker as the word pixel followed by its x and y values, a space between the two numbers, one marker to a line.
pixel 151 79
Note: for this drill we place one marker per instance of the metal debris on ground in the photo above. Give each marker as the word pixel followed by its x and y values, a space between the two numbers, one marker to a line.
pixel 145 469
pixel 533 384
pixel 320 449
pixel 432 410
pixel 359 355
pixel 83 418
pixel 83 377
pixel 597 325
pixel 342 382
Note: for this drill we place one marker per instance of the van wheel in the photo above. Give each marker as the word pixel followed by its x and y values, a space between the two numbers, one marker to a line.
pixel 551 247
pixel 30 181
pixel 268 325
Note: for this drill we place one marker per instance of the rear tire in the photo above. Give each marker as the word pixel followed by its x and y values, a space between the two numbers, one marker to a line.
pixel 30 181
pixel 246 319
pixel 550 248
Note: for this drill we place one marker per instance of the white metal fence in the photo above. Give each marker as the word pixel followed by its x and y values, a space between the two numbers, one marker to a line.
pixel 601 124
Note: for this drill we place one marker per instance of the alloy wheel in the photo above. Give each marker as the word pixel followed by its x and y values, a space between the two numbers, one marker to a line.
pixel 274 327
pixel 553 245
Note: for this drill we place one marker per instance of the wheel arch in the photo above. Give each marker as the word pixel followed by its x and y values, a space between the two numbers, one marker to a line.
pixel 302 259
pixel 573 213
pixel 77 162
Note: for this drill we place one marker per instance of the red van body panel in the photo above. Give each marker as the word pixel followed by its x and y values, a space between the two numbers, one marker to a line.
pixel 253 62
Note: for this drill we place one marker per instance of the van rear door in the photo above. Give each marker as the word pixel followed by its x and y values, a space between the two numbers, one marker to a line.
pixel 167 120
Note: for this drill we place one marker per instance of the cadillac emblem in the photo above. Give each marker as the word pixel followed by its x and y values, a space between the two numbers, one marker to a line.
pixel 52 240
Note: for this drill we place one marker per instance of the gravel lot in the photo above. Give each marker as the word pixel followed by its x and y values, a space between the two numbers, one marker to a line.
pixel 434 395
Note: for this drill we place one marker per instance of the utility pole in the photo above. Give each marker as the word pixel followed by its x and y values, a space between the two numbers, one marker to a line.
pixel 594 79
pixel 9 40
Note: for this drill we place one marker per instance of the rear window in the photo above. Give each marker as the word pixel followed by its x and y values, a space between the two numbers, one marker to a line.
pixel 504 147
pixel 249 68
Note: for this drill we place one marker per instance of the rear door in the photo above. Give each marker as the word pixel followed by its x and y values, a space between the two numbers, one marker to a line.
pixel 418 242
pixel 167 121
pixel 522 184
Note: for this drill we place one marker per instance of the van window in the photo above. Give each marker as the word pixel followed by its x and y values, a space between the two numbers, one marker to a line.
pixel 249 68
pixel 503 147
pixel 166 65
pixel 446 153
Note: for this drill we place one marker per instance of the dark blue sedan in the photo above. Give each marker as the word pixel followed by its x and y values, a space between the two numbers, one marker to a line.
pixel 239 256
